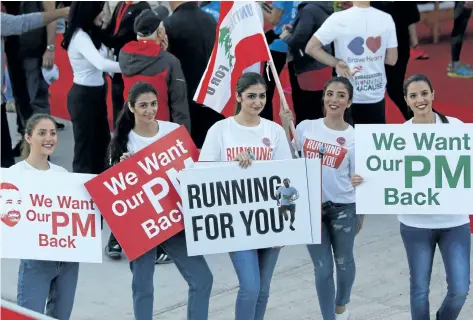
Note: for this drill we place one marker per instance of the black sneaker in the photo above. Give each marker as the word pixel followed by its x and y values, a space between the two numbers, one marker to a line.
pixel 163 258
pixel 114 253
pixel 60 126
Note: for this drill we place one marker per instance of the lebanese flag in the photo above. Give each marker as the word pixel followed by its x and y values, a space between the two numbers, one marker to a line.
pixel 240 43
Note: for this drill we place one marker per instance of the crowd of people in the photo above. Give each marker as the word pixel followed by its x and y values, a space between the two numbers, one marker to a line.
pixel 341 64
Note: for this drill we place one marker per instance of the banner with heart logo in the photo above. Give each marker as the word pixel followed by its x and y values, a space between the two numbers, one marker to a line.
pixel 48 216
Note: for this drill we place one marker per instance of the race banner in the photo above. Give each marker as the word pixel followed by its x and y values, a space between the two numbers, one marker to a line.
pixel 139 197
pixel 271 203
pixel 49 216
pixel 414 169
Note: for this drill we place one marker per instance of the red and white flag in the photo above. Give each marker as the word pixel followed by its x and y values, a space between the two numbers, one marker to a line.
pixel 240 43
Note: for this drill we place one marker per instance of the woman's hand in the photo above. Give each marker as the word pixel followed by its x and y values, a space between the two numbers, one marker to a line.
pixel 125 156
pixel 360 225
pixel 286 116
pixel 342 69
pixel 243 159
pixel 356 180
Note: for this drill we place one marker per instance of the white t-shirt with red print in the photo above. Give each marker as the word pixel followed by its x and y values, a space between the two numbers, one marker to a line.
pixel 361 37
pixel 227 138
pixel 338 157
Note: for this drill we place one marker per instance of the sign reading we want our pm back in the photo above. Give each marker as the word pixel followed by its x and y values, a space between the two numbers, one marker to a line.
pixel 414 169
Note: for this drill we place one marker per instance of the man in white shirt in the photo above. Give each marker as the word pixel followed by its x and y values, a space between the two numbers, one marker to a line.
pixel 365 40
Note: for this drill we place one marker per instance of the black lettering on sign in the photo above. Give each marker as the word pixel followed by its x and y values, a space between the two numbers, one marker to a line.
pixel 211 224
pixel 233 192
pixel 247 221
pixel 264 220
pixel 195 228
pixel 215 227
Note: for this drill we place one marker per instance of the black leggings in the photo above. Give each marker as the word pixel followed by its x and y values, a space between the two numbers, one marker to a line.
pixel 368 113
pixel 88 110
pixel 460 22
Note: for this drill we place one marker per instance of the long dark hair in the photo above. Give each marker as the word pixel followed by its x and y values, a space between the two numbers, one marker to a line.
pixel 82 15
pixel 29 128
pixel 347 84
pixel 421 78
pixel 126 121
pixel 245 81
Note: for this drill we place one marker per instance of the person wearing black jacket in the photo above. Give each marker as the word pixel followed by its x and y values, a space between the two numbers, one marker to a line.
pixel 191 36
pixel 118 33
pixel 404 13
pixel 307 75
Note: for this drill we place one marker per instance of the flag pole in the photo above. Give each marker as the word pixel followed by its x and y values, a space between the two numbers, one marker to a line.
pixel 283 105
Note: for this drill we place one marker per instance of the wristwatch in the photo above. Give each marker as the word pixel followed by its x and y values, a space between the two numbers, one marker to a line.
pixel 51 47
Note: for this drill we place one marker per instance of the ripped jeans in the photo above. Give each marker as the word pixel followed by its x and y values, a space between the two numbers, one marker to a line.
pixel 339 226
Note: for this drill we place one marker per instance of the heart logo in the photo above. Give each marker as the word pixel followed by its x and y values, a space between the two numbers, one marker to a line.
pixel 11 218
pixel 373 43
pixel 356 46
pixel 266 141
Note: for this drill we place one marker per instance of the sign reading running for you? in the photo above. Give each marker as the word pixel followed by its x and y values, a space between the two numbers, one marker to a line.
pixel 414 169
pixel 271 203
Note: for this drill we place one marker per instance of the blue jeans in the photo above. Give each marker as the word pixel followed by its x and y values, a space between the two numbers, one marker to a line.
pixel 254 269
pixel 8 88
pixel 339 227
pixel 194 270
pixel 454 244
pixel 48 283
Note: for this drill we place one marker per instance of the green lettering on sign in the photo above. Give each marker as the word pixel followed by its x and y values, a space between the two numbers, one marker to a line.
pixel 409 172
pixel 463 165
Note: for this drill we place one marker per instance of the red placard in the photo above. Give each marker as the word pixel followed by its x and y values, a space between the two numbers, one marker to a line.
pixel 139 197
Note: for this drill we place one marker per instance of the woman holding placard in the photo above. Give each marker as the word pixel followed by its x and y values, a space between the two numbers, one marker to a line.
pixel 44 283
pixel 332 140
pixel 136 128
pixel 422 233
pixel 254 135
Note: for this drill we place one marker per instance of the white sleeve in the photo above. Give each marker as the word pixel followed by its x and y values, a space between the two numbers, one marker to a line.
pixel 281 151
pixel 212 147
pixel 328 32
pixel 392 37
pixel 84 45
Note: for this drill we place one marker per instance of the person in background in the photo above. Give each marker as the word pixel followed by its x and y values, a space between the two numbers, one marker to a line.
pixel 136 129
pixel 307 75
pixel 405 14
pixel 118 33
pixel 282 13
pixel 15 25
pixel 212 8
pixel 340 223
pixel 365 40
pixel 191 35
pixel 462 14
pixel 86 100
pixel 146 60
pixel 50 284
pixel 421 234
pixel 247 130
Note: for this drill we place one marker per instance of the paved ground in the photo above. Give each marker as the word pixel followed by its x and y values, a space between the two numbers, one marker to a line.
pixel 381 289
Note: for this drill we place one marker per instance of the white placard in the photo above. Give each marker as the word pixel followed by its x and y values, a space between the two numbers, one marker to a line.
pixel 49 216
pixel 414 169
pixel 227 208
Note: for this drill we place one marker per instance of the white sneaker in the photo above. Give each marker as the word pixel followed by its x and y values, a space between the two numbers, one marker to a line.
pixel 343 316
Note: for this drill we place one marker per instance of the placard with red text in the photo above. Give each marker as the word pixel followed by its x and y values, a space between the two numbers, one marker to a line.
pixel 48 216
pixel 139 197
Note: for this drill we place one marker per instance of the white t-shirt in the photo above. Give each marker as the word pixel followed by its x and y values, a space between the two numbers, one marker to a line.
pixel 137 142
pixel 23 165
pixel 338 163
pixel 434 221
pixel 361 37
pixel 227 138
pixel 88 64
